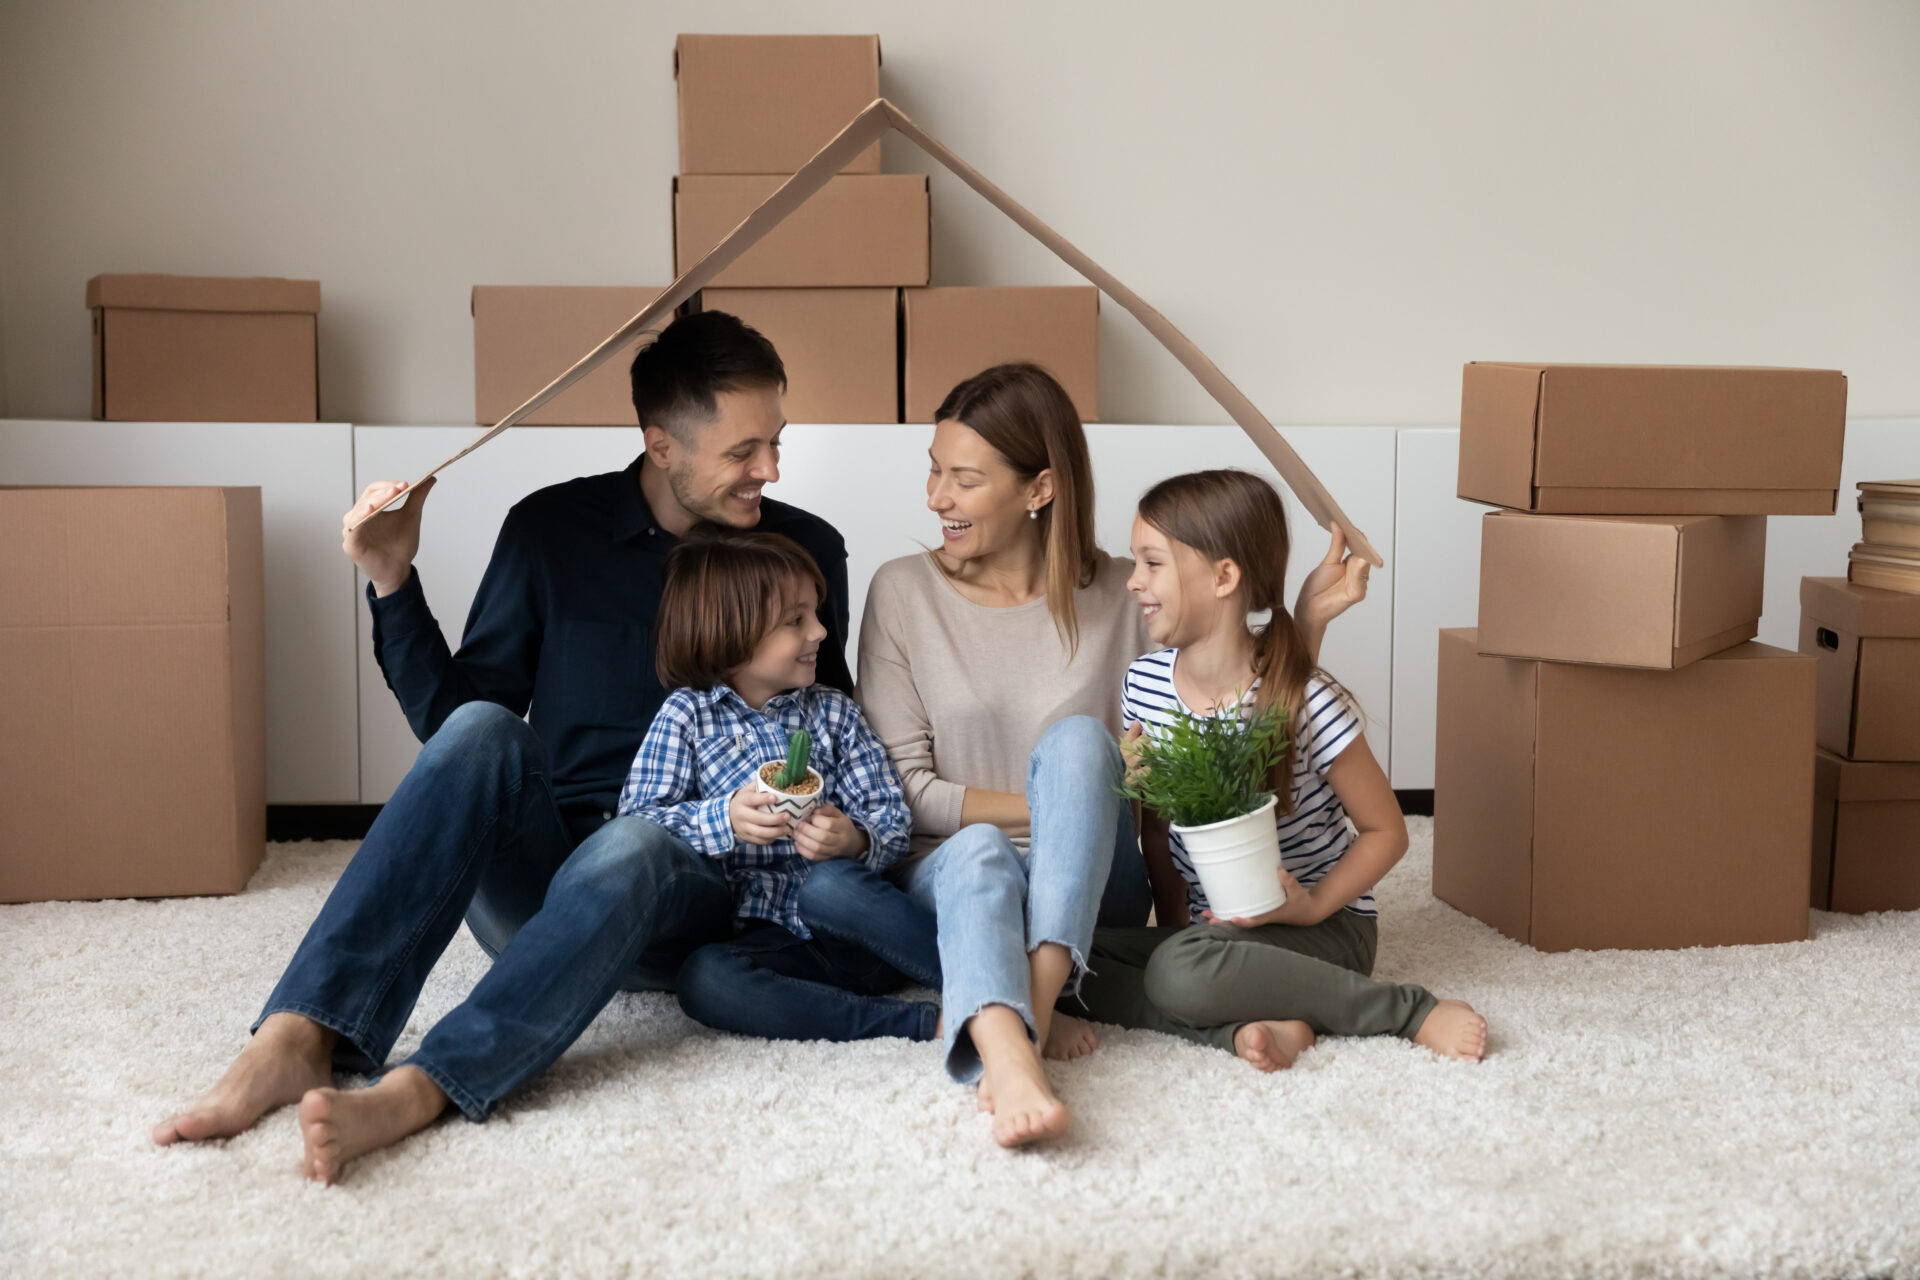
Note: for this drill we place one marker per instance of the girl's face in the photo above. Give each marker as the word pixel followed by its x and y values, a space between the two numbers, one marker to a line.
pixel 981 500
pixel 1181 594
pixel 786 656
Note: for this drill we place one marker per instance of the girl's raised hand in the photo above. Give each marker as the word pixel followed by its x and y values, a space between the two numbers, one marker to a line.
pixel 747 811
pixel 829 833
pixel 1298 909
pixel 1336 584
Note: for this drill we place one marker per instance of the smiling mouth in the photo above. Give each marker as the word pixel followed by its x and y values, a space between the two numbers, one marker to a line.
pixel 748 496
pixel 1149 610
pixel 956 526
pixel 809 659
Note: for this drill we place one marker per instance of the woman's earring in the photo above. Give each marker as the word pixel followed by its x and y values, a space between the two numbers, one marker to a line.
pixel 1033 513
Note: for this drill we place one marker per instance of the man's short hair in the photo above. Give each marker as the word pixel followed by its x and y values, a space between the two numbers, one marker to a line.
pixel 723 594
pixel 679 375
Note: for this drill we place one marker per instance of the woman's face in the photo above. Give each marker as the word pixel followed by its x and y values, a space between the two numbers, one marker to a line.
pixel 981 500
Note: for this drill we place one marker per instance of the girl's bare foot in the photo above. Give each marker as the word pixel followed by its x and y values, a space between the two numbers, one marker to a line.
pixel 1272 1046
pixel 288 1056
pixel 338 1126
pixel 1454 1030
pixel 1069 1038
pixel 1012 1082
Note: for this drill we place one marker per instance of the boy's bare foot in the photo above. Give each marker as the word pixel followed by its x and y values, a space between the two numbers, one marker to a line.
pixel 1069 1038
pixel 1454 1030
pixel 338 1125
pixel 288 1056
pixel 1272 1046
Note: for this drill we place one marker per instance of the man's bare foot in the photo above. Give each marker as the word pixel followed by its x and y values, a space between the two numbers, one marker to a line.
pixel 1454 1030
pixel 1069 1038
pixel 1272 1046
pixel 341 1125
pixel 286 1057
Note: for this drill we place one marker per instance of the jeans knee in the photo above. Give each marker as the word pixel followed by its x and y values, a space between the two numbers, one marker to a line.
pixel 1082 739
pixel 703 979
pixel 626 856
pixel 1176 979
pixel 980 859
pixel 478 734
pixel 833 891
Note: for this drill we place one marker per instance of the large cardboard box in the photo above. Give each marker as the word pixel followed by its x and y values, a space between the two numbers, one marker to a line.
pixel 861 230
pixel 1583 806
pixel 841 347
pixel 953 333
pixel 1868 644
pixel 525 336
pixel 133 689
pixel 204 349
pixel 1651 439
pixel 765 104
pixel 1866 835
pixel 1630 591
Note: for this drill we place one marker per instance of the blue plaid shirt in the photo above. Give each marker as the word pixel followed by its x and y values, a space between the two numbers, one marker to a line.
pixel 704 745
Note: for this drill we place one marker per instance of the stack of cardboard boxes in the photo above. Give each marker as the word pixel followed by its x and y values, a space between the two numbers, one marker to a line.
pixel 1618 764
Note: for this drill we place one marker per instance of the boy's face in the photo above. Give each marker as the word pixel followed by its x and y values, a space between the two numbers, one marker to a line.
pixel 719 475
pixel 787 655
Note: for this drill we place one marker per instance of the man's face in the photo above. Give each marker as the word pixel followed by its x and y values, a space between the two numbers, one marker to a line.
pixel 719 476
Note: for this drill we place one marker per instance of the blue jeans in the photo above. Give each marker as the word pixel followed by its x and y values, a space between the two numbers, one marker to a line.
pixel 473 829
pixel 772 982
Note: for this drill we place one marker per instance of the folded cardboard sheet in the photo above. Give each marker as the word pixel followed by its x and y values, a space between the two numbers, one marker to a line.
pixel 133 674
pixel 1581 806
pixel 1867 642
pixel 1866 835
pixel 862 230
pixel 841 347
pixel 1651 439
pixel 525 336
pixel 950 334
pixel 765 104
pixel 1630 591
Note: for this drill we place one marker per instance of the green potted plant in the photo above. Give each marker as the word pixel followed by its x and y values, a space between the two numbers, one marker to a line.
pixel 1208 777
pixel 796 789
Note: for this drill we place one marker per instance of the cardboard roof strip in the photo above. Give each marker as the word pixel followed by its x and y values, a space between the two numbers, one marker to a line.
pixel 861 132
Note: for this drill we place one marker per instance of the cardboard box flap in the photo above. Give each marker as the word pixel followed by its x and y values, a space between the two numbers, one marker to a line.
pixel 1850 781
pixel 1861 611
pixel 204 293
pixel 152 555
pixel 1499 406
pixel 717 44
pixel 1710 599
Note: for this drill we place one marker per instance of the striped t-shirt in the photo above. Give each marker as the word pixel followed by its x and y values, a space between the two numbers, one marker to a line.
pixel 1315 834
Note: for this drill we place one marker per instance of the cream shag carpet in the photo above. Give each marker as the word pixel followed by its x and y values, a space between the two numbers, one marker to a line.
pixel 1734 1112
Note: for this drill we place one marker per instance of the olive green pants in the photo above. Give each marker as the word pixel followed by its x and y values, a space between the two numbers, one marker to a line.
pixel 1205 981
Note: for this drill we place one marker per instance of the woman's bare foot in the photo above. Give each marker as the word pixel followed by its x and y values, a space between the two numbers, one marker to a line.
pixel 1272 1046
pixel 1012 1083
pixel 1069 1038
pixel 339 1125
pixel 1454 1030
pixel 288 1056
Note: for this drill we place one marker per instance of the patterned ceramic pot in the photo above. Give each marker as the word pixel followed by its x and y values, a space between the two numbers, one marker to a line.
pixel 797 805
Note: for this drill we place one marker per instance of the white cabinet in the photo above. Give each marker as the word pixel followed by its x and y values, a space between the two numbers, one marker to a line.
pixel 305 475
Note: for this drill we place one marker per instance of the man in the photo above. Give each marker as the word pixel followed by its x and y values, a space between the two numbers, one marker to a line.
pixel 510 821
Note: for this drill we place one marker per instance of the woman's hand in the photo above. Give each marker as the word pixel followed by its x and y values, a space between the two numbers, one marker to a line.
pixel 747 811
pixel 1336 584
pixel 829 833
pixel 1298 909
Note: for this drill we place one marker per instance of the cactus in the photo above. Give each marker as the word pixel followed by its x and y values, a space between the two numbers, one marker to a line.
pixel 799 748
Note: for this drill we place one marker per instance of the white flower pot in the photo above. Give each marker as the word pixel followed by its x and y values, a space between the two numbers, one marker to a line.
pixel 798 807
pixel 1238 862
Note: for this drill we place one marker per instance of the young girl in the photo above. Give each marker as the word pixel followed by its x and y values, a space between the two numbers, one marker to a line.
pixel 1209 549
pixel 738 640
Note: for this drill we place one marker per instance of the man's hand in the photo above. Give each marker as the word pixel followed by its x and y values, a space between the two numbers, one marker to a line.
pixel 747 811
pixel 1336 584
pixel 1298 909
pixel 829 833
pixel 384 547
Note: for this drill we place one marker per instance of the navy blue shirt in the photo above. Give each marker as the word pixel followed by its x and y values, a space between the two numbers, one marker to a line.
pixel 561 631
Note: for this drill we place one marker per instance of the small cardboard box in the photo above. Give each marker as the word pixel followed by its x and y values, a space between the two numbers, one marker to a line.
pixel 1629 591
pixel 1866 835
pixel 1590 807
pixel 862 230
pixel 765 104
pixel 133 677
pixel 1868 643
pixel 841 347
pixel 953 333
pixel 1593 439
pixel 204 349
pixel 525 336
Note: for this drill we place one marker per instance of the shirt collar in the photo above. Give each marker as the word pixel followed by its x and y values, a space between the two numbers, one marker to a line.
pixel 722 691
pixel 632 517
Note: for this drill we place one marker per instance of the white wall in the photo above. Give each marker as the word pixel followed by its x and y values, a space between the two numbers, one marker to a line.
pixel 1339 202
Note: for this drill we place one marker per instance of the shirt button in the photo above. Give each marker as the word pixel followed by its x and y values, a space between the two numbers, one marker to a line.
pixel 606 816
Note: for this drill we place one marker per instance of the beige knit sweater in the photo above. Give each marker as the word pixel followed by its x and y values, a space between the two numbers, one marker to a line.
pixel 961 692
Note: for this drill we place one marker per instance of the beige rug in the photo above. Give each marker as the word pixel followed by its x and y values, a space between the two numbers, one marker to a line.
pixel 1736 1112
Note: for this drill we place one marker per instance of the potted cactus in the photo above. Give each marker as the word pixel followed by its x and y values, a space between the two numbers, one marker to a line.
pixel 796 789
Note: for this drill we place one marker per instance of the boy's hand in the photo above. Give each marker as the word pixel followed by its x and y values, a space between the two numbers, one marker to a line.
pixel 829 833
pixel 747 811
pixel 1298 909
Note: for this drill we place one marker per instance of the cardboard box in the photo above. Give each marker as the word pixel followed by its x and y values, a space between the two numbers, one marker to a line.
pixel 858 231
pixel 953 333
pixel 525 336
pixel 765 104
pixel 1651 439
pixel 133 677
pixel 1868 645
pixel 1630 591
pixel 1586 807
pixel 204 349
pixel 1866 835
pixel 841 347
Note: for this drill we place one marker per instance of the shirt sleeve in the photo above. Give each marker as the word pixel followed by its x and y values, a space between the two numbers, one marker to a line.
pixel 1330 724
pixel 663 786
pixel 866 788
pixel 892 702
